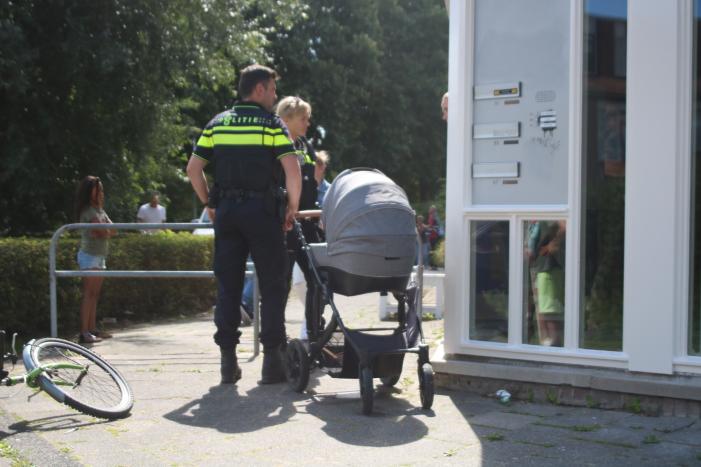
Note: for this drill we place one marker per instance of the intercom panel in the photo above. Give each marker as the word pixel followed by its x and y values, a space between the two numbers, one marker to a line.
pixel 520 98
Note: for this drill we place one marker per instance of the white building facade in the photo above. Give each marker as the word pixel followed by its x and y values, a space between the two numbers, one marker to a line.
pixel 572 221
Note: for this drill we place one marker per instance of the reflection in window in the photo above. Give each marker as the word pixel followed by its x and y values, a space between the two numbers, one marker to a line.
pixel 489 280
pixel 544 282
pixel 695 308
pixel 603 174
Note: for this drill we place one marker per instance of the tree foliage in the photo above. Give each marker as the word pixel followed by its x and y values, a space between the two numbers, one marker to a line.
pixel 374 73
pixel 120 88
pixel 114 88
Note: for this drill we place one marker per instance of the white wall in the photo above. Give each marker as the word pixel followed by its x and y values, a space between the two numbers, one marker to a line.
pixel 657 135
pixel 459 139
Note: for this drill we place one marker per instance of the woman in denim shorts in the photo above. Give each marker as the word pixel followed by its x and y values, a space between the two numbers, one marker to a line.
pixel 90 200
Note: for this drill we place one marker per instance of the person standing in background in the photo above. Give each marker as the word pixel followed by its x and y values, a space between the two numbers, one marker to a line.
pixel 444 107
pixel 423 231
pixel 90 200
pixel 435 229
pixel 322 161
pixel 151 212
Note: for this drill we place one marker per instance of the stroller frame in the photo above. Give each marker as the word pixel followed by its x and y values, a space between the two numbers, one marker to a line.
pixel 353 359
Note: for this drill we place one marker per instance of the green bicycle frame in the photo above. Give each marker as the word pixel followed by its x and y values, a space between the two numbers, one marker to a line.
pixel 31 377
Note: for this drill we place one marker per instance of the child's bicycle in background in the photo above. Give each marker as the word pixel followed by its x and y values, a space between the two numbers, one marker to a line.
pixel 71 374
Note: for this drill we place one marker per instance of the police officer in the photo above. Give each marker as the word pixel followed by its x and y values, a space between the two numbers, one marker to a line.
pixel 295 113
pixel 251 149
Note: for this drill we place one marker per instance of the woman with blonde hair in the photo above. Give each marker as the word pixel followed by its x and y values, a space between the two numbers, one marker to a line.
pixel 296 113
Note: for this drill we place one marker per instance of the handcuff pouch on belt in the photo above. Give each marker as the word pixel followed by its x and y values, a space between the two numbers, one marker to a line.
pixel 214 196
pixel 276 203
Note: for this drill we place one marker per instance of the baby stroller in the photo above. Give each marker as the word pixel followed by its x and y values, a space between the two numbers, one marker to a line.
pixel 371 245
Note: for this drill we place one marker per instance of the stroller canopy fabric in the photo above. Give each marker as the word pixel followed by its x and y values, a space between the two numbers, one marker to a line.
pixel 365 212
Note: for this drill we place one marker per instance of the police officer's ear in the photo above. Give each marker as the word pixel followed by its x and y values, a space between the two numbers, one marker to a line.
pixel 260 88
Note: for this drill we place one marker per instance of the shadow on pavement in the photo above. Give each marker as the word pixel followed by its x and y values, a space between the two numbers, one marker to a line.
pixel 228 410
pixel 394 420
pixel 58 422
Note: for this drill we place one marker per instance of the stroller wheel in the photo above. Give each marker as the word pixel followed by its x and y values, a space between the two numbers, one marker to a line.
pixel 426 385
pixel 366 389
pixel 297 365
pixel 390 381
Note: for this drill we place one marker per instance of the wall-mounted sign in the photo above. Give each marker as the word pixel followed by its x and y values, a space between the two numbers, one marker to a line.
pixel 495 170
pixel 498 91
pixel 496 130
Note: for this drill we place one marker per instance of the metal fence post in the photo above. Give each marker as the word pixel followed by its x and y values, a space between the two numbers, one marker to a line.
pixel 52 280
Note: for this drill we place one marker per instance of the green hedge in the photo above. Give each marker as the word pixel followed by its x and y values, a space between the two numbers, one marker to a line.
pixel 24 281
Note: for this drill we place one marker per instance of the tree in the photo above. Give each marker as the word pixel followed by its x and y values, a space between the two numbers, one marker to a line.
pixel 374 73
pixel 116 89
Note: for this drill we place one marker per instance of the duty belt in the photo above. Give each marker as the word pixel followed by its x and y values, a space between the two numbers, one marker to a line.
pixel 241 194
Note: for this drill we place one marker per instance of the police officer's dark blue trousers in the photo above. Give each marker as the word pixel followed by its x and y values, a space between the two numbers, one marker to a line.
pixel 243 226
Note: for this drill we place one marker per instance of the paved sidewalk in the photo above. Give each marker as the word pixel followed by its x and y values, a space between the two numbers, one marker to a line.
pixel 183 417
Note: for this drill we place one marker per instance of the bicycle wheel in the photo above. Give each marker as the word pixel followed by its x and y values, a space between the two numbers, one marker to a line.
pixel 98 389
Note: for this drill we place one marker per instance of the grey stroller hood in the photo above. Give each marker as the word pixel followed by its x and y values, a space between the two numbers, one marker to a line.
pixel 365 212
pixel 370 234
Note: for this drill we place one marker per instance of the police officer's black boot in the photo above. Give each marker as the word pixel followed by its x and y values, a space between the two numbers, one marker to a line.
pixel 273 365
pixel 230 370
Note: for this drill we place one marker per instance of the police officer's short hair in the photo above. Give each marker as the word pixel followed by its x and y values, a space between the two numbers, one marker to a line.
pixel 251 76
pixel 292 106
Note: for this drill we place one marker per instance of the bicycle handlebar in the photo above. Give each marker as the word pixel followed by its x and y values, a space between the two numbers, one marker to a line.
pixel 10 356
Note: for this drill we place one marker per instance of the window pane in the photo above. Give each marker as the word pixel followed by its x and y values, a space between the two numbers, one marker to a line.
pixel 544 282
pixel 489 287
pixel 603 184
pixel 694 311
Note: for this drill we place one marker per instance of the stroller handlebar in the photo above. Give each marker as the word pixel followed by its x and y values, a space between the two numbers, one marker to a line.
pixel 308 214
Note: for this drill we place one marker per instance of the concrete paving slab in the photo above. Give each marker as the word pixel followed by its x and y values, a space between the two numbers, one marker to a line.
pixel 688 436
pixel 502 420
pixel 183 417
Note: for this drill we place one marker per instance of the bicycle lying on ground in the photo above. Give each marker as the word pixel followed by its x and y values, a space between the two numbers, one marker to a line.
pixel 71 374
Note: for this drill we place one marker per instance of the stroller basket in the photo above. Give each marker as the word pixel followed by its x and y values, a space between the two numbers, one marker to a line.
pixel 332 355
pixel 388 350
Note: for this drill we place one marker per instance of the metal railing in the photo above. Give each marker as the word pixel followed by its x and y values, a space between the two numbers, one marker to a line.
pixel 53 273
